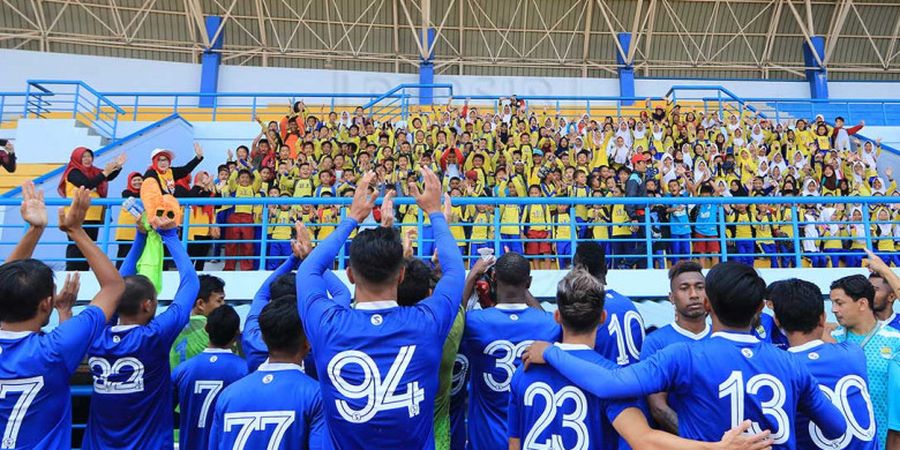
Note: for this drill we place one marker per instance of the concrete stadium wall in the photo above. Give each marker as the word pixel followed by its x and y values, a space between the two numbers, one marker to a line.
pixel 120 74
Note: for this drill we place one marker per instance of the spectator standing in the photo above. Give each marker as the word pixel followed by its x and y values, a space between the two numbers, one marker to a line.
pixel 81 172
pixel 8 157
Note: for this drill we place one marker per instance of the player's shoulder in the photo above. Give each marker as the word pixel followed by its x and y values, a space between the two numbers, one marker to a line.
pixel 617 302
pixel 890 334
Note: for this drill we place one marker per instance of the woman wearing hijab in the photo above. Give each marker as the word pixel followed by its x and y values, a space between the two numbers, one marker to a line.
pixel 125 227
pixel 202 221
pixel 81 172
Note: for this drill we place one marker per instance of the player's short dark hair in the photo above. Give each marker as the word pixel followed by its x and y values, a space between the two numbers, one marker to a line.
pixel 513 269
pixel 222 325
pixel 376 254
pixel 284 285
pixel 416 285
pixel 735 292
pixel 797 303
pixel 280 325
pixel 579 298
pixel 684 267
pixel 137 289
pixel 856 287
pixel 23 285
pixel 591 256
pixel 210 284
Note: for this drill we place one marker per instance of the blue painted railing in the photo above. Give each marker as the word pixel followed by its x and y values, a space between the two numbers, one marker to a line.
pixel 84 103
pixel 790 248
pixel 394 104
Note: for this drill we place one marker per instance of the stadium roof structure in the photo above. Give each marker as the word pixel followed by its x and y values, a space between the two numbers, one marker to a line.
pixel 577 38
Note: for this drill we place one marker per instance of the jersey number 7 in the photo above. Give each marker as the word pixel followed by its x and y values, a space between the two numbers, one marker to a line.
pixel 28 388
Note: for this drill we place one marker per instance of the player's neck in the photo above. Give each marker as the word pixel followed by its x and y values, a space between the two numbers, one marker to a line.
pixel 33 325
pixel 885 313
pixel 282 358
pixel 589 339
pixel 797 339
pixel 694 325
pixel 372 293
pixel 864 326
pixel 720 327
pixel 507 294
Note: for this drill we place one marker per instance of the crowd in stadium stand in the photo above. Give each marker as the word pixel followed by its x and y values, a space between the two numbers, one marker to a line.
pixel 521 151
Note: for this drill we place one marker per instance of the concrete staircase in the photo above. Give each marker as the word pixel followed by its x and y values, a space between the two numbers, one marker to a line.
pixel 23 173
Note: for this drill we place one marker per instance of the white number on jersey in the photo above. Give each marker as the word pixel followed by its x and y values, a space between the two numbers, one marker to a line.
pixel 624 339
pixel 102 385
pixel 573 421
pixel 258 421
pixel 734 388
pixel 28 388
pixel 458 381
pixel 380 394
pixel 213 387
pixel 506 362
pixel 839 397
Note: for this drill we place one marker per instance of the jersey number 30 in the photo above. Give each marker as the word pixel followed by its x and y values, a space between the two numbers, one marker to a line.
pixel 379 393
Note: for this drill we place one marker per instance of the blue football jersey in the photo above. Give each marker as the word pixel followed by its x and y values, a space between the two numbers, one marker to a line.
pixel 277 407
pixel 378 363
pixel 35 368
pixel 547 411
pixel 840 370
pixel 131 406
pixel 717 383
pixel 198 383
pixel 767 331
pixel 621 336
pixel 493 342
pixel 458 395
pixel 894 321
pixel 668 335
pixel 254 348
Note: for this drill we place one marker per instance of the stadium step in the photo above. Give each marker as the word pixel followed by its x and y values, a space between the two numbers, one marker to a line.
pixel 23 173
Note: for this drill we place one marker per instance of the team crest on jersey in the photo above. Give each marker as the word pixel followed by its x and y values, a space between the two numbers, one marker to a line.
pixel 117 339
pixel 887 353
pixel 213 358
pixel 268 379
pixel 513 317
pixel 376 319
pixel 813 356
pixel 747 352
pixel 761 332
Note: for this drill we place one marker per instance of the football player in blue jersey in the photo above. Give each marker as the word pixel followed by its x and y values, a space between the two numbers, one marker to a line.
pixel 35 368
pixel 200 380
pixel 721 381
pixel 493 341
pixel 547 411
pixel 688 295
pixel 840 369
pixel 279 283
pixel 852 302
pixel 131 406
pixel 377 362
pixel 621 336
pixel 887 285
pixel 278 406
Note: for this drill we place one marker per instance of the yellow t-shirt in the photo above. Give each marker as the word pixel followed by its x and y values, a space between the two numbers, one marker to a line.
pixel 537 215
pixel 282 224
pixel 621 221
pixel 563 228
pixel 482 230
pixel 509 216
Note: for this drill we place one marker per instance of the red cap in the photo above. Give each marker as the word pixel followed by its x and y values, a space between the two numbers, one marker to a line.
pixel 638 157
pixel 472 175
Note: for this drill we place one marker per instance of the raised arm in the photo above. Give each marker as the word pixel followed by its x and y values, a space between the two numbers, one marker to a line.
pixel 877 265
pixel 111 284
pixel 311 285
pixel 176 316
pixel 129 265
pixel 34 213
